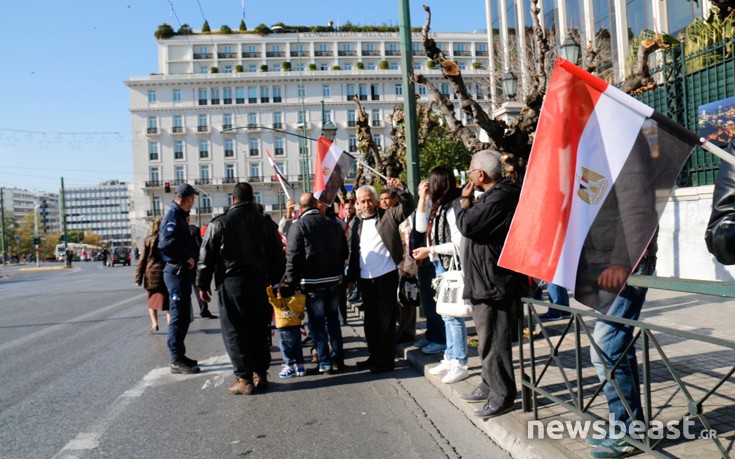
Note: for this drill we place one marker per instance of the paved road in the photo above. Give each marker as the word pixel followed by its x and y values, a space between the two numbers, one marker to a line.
pixel 80 376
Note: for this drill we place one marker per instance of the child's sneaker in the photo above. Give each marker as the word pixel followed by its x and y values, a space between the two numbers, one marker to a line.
pixel 286 372
pixel 300 371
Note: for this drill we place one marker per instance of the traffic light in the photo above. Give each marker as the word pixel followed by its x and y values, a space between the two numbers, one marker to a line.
pixel 167 187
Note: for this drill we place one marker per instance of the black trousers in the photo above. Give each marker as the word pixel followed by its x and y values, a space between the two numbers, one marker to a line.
pixel 494 322
pixel 380 303
pixel 246 319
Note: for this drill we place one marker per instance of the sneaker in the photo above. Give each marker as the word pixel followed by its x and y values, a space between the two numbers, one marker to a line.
pixel 610 447
pixel 457 373
pixel 443 366
pixel 287 371
pixel 592 441
pixel 300 371
pixel 179 367
pixel 325 368
pixel 433 348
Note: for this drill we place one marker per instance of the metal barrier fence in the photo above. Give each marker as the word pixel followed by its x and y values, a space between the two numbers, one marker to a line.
pixel 579 401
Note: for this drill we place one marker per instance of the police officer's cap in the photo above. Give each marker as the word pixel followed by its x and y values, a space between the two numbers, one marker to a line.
pixel 185 190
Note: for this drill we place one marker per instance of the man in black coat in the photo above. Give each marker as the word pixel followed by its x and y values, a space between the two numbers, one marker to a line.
pixel 315 260
pixel 494 291
pixel 246 250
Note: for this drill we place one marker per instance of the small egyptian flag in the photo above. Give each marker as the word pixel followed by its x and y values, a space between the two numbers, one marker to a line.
pixel 332 166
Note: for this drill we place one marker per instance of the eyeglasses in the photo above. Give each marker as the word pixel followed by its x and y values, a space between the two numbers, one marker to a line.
pixel 471 171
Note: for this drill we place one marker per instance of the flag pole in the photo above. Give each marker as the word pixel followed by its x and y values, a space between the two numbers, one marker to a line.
pixel 717 151
pixel 366 166
pixel 283 185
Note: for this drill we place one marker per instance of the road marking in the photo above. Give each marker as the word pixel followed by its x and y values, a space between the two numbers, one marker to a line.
pixel 35 335
pixel 85 441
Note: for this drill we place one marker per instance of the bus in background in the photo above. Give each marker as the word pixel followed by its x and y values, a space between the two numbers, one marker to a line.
pixel 82 252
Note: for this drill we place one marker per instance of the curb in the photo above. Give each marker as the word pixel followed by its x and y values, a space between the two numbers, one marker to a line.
pixel 49 268
pixel 509 431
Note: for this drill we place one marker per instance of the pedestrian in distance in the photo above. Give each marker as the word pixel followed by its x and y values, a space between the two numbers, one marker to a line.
pixel 149 274
pixel 179 251
pixel 375 252
pixel 245 249
pixel 494 291
pixel 315 260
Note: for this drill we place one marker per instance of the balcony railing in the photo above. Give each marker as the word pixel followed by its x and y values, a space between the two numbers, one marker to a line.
pixel 370 52
pixel 264 100
pixel 458 52
pixel 254 152
pixel 301 176
pixel 177 182
pixel 202 55
pixel 202 181
pixel 229 153
pixel 275 53
pixel 204 154
pixel 202 128
pixel 253 126
pixel 226 55
pixel 215 101
pixel 177 129
pixel 240 100
pixel 324 53
pixel 277 99
pixel 204 210
pixel 247 54
pixel 376 123
pixel 153 183
pixel 481 53
pixel 346 52
pixel 277 125
pixel 353 148
pixel 227 101
pixel 202 101
pixel 419 52
pixel 280 152
pixel 351 123
pixel 153 213
pixel 255 178
pixel 152 130
pixel 227 126
pixel 392 52
pixel 229 180
pixel 299 53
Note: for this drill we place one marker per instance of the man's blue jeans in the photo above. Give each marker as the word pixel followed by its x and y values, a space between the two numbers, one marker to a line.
pixel 613 338
pixel 557 294
pixel 455 331
pixel 323 308
pixel 179 290
pixel 291 345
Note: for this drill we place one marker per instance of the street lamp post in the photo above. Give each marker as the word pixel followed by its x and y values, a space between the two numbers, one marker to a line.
pixel 35 239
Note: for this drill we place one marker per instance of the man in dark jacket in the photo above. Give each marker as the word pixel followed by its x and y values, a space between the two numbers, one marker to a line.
pixel 179 251
pixel 493 291
pixel 376 251
pixel 204 312
pixel 246 250
pixel 315 260
pixel 720 235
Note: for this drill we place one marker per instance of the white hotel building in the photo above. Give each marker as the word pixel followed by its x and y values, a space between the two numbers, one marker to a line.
pixel 207 83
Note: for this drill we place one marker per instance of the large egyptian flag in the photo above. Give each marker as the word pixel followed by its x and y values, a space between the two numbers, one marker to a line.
pixel 601 169
pixel 332 166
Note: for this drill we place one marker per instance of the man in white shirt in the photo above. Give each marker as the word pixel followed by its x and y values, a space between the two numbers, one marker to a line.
pixel 375 252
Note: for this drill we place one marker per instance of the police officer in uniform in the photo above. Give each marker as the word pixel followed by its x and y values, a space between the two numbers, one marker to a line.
pixel 179 251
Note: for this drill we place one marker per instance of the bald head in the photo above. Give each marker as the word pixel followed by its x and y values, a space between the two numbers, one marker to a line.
pixel 307 201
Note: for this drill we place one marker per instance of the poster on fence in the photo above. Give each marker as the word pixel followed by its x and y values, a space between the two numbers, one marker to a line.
pixel 716 121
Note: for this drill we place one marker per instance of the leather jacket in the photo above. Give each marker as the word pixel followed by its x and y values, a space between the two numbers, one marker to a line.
pixel 720 234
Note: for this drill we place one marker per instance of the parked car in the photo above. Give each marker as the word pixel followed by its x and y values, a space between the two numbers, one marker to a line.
pixel 119 256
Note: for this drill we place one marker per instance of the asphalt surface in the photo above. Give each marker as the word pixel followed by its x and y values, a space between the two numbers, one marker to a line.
pixel 80 376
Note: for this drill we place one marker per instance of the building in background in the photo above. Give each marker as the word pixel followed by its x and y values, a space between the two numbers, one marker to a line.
pixel 21 203
pixel 102 209
pixel 262 89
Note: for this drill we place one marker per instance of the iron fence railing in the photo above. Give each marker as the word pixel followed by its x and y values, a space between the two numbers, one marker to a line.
pixel 578 397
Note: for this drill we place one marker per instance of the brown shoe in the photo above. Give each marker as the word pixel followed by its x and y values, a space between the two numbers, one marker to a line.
pixel 261 381
pixel 242 386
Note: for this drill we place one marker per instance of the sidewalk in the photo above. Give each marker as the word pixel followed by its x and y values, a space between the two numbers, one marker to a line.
pixel 698 365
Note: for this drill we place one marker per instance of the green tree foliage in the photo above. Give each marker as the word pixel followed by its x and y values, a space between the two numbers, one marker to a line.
pixel 441 150
pixel 238 68
pixel 263 68
pixel 164 31
pixel 383 65
pixel 360 66
pixel 205 27
pixel 184 30
pixel 243 27
pixel 311 67
pixel 262 29
pixel 10 230
pixel 225 29
pixel 213 70
pixel 286 66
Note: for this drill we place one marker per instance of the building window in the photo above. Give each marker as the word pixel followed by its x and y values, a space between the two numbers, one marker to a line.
pixel 178 149
pixel 206 207
pixel 154 174
pixel 422 90
pixel 229 148
pixel 179 174
pixel 351 119
pixel 279 145
pixel 252 68
pixel 228 69
pixel 177 95
pixel 375 117
pixel 215 96
pixel 378 140
pixel 203 125
pixel 462 65
pixel 393 66
pixel 417 66
pixel 445 89
pixel 252 120
pixel 300 117
pixel 227 121
pixel 363 90
pixel 152 125
pixel 258 197
pixel 301 91
pixel 204 149
pixel 300 67
pixel 254 172
pixel 399 89
pixel 264 98
pixel 348 66
pixel 227 96
pixel 681 13
pixel 323 67
pixel 371 65
pixel 252 95
pixel 153 151
pixel 277 94
pixel 350 92
pixel 156 204
pixel 204 171
pixel 353 143
pixel 374 92
pixel 178 124
pixel 151 96
pixel 239 95
pixel 282 167
pixel 254 147
pixel 327 116
pixel 326 91
pixel 230 172
pixel 202 96
pixel 203 69
pixel 277 120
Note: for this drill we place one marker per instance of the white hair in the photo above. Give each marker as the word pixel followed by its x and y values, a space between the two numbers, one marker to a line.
pixel 367 189
pixel 490 163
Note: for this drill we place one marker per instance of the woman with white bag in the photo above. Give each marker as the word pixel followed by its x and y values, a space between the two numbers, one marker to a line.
pixel 444 240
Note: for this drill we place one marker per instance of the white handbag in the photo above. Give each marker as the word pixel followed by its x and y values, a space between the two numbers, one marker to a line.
pixel 449 286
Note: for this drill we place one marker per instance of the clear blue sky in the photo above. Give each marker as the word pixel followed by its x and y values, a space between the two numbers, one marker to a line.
pixel 65 109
